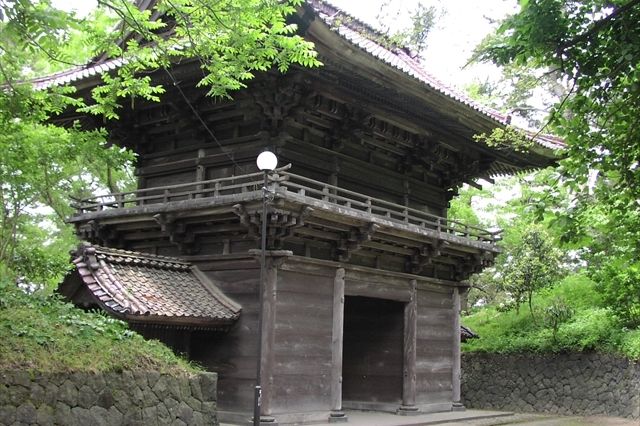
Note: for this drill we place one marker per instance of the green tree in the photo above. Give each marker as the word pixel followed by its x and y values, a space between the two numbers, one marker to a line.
pixel 531 266
pixel 421 22
pixel 42 167
pixel 593 45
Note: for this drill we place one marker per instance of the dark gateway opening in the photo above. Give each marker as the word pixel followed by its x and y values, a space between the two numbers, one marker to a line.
pixel 372 366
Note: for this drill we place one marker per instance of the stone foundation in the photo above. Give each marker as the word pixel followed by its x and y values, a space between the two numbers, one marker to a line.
pixel 107 399
pixel 568 384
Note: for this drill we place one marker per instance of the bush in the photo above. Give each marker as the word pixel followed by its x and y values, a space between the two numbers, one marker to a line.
pixel 619 283
pixel 576 319
pixel 42 333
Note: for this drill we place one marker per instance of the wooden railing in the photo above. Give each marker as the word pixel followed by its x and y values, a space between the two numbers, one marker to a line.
pixel 169 193
pixel 283 181
pixel 335 195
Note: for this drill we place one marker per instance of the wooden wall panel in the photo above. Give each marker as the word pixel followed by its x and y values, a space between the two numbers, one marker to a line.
pixel 302 370
pixel 233 354
pixel 434 349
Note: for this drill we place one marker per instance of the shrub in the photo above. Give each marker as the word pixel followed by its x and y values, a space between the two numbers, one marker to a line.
pixel 619 283
pixel 41 332
pixel 576 319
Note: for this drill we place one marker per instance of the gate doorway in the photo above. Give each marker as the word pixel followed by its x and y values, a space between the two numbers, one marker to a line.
pixel 372 353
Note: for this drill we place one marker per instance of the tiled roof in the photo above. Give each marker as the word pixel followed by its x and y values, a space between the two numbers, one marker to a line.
pixel 357 33
pixel 145 288
pixel 364 37
pixel 76 74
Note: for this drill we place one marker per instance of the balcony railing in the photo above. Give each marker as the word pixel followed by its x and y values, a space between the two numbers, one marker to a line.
pixel 299 187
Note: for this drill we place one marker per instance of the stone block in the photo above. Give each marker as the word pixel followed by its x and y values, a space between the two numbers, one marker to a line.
pixel 121 400
pixel 62 413
pixel 114 417
pixel 172 406
pixel 209 408
pixel 164 416
pixel 149 398
pixel 173 387
pixel 150 414
pixel 7 414
pixel 105 399
pixel 99 416
pixel 132 416
pixel 185 388
pixel 160 388
pixel 137 396
pixel 86 397
pixel 5 397
pixel 152 378
pixel 26 413
pixel 50 394
pixel 195 404
pixel 68 393
pixel 17 395
pixel 185 413
pixel 81 416
pixel 209 386
pixel 45 415
pixel 96 382
pixel 141 379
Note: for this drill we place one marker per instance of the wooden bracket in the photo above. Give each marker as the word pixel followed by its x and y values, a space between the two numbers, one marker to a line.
pixel 178 233
pixel 353 242
pixel 246 220
pixel 291 222
pixel 276 99
pixel 101 234
pixel 424 256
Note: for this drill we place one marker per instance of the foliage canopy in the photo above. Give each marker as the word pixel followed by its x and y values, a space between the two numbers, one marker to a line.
pixel 42 166
pixel 592 46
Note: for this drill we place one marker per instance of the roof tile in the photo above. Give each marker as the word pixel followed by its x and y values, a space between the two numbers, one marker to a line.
pixel 165 289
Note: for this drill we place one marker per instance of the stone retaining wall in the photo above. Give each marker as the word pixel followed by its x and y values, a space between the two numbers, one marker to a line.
pixel 569 384
pixel 107 399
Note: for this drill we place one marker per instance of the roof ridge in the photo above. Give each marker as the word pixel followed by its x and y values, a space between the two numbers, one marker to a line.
pixel 173 261
pixel 360 24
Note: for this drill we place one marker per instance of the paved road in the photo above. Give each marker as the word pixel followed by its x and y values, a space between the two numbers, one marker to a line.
pixel 547 420
pixel 476 418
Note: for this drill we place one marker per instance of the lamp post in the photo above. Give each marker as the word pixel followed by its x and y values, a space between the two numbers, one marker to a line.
pixel 267 162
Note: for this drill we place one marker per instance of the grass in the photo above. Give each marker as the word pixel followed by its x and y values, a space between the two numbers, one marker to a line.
pixel 42 333
pixel 569 316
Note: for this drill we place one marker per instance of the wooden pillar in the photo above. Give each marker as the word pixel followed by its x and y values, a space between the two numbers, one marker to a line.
pixel 200 173
pixel 268 335
pixel 273 261
pixel 457 404
pixel 337 415
pixel 408 406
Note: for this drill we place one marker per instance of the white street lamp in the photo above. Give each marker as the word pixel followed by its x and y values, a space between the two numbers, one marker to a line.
pixel 267 162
